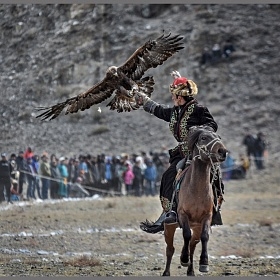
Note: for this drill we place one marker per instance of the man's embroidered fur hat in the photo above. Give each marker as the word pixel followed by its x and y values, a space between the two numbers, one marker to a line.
pixel 182 86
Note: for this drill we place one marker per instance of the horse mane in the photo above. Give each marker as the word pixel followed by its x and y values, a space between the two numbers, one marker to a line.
pixel 193 135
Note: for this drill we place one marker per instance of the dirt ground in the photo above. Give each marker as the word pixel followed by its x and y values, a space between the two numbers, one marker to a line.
pixel 101 236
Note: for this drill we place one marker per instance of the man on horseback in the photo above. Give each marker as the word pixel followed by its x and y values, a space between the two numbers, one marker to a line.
pixel 185 113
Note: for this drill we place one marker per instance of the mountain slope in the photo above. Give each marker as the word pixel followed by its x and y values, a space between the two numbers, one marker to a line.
pixel 52 52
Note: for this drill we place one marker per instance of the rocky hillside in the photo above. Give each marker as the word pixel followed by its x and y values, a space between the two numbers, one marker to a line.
pixel 51 52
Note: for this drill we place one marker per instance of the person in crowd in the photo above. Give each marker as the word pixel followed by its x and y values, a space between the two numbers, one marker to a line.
pixel 216 53
pixel 128 177
pixel 14 179
pixel 249 141
pixel 160 167
pixel 138 177
pixel 142 158
pixel 76 190
pixel 53 157
pixel 126 158
pixel 228 166
pixel 116 175
pixel 5 179
pixel 150 176
pixel 63 185
pixel 101 167
pixel 76 170
pixel 96 178
pixel 228 48
pixel 45 172
pixel 71 170
pixel 22 168
pixel 206 56
pixel 55 178
pixel 28 153
pixel 88 174
pixel 13 157
pixel 185 113
pixel 30 175
pixel 244 163
pixel 83 168
pixel 108 171
pixel 260 147
pixel 241 167
pixel 36 165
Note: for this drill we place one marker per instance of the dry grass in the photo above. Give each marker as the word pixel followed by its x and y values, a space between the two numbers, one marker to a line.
pixel 83 261
pixel 265 222
pixel 110 204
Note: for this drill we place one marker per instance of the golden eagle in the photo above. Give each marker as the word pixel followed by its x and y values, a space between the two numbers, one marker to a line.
pixel 122 82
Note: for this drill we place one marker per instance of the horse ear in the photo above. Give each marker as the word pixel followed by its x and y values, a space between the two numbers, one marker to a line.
pixel 209 128
pixel 193 135
pixel 192 129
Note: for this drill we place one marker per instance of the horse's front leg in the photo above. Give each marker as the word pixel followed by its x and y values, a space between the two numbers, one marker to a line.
pixel 194 240
pixel 187 234
pixel 203 262
pixel 169 231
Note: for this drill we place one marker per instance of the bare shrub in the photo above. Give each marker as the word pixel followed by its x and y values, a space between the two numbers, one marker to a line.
pixel 265 222
pixel 99 130
pixel 110 205
pixel 83 261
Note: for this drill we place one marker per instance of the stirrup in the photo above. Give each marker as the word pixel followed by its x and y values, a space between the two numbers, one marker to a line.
pixel 171 217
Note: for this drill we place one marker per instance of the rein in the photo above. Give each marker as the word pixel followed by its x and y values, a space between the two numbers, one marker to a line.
pixel 208 152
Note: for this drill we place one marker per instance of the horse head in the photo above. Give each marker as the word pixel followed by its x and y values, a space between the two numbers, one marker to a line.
pixel 206 144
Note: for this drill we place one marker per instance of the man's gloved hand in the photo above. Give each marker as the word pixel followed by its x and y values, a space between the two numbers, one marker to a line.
pixel 141 98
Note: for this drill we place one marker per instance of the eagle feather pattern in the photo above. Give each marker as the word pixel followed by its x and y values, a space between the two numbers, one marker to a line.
pixel 121 83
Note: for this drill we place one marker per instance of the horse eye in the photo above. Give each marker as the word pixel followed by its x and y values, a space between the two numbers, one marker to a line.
pixel 203 138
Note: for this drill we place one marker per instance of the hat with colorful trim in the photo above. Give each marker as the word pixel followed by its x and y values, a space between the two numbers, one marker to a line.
pixel 182 86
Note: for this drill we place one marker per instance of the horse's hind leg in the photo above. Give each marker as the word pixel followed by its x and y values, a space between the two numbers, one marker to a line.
pixel 203 262
pixel 169 231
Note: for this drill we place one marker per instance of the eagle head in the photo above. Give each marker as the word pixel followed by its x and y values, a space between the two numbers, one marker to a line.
pixel 112 71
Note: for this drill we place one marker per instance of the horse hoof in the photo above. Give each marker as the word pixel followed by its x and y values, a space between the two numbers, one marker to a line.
pixel 203 268
pixel 166 273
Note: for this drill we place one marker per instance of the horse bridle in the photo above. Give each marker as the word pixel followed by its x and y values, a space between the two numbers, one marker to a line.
pixel 205 150
pixel 208 152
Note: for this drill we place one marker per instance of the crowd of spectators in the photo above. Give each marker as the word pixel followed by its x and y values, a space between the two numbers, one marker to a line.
pixel 255 154
pixel 217 53
pixel 52 177
pixel 28 176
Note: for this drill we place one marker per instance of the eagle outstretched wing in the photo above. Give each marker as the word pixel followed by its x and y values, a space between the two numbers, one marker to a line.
pixel 152 54
pixel 121 82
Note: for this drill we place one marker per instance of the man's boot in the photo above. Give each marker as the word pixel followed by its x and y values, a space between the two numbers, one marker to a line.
pixel 165 217
pixel 217 218
pixel 155 227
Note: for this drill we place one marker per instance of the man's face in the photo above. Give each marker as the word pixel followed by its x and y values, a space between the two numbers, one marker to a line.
pixel 175 99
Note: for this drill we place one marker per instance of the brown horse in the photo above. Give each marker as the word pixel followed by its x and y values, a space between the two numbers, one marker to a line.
pixel 196 199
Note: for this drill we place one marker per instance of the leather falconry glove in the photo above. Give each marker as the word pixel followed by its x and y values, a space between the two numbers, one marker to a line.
pixel 148 104
pixel 141 98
